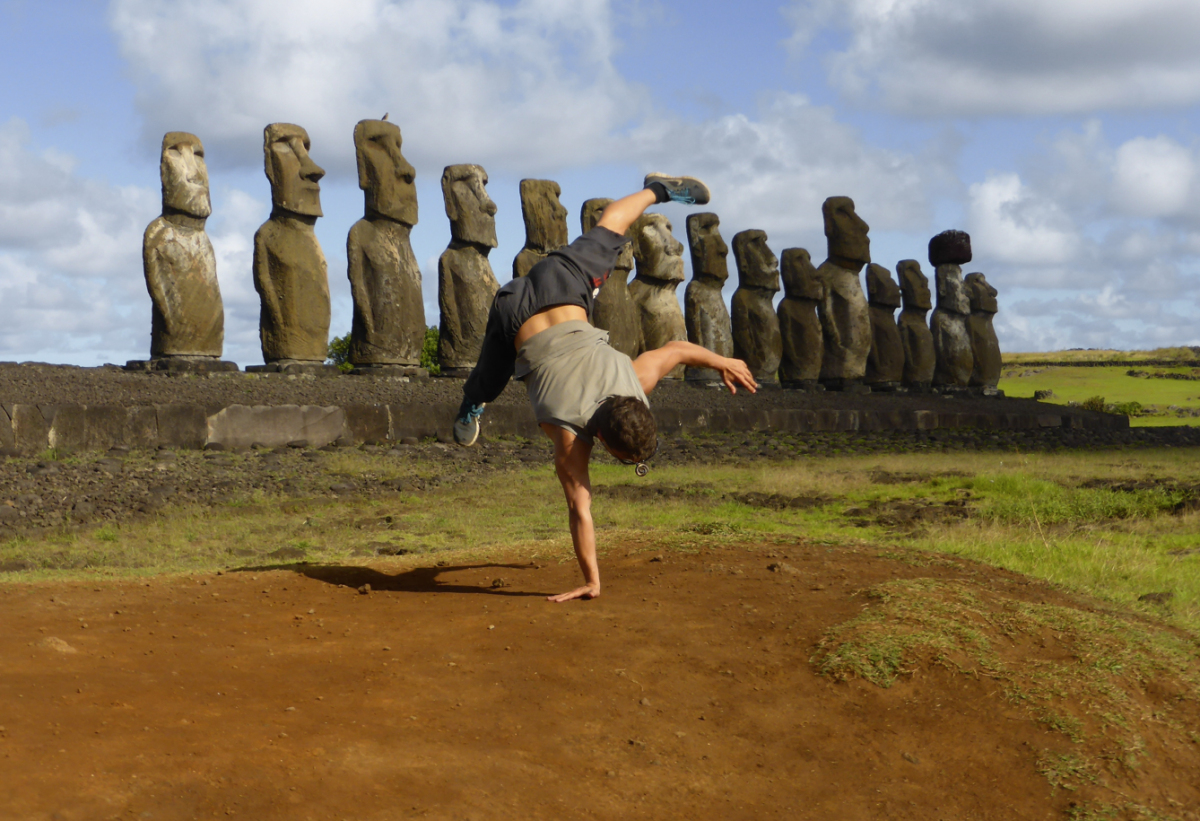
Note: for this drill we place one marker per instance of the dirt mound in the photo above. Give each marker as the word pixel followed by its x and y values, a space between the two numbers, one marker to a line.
pixel 686 691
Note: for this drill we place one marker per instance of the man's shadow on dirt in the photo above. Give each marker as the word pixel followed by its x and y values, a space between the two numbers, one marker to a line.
pixel 417 580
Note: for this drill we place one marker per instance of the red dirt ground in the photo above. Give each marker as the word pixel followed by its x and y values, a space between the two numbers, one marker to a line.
pixel 684 692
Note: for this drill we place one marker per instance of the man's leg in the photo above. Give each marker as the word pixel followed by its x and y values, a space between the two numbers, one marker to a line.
pixel 622 213
pixel 489 377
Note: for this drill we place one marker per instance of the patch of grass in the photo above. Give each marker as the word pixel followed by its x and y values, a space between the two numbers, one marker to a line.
pixel 1113 386
pixel 1065 771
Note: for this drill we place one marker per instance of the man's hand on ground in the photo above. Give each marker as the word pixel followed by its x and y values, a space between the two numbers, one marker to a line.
pixel 734 372
pixel 588 591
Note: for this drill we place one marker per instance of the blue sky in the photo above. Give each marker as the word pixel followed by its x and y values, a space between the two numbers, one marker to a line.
pixel 1062 136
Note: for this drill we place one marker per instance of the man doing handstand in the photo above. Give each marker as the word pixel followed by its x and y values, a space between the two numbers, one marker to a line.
pixel 581 388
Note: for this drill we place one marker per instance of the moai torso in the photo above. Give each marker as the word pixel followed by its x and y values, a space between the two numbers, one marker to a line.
pixel 756 339
pixel 845 319
pixel 545 223
pixel 466 283
pixel 885 362
pixel 705 316
pixel 613 309
pixel 799 325
pixel 985 347
pixel 388 325
pixel 948 325
pixel 187 316
pixel 289 267
pixel 919 357
pixel 659 258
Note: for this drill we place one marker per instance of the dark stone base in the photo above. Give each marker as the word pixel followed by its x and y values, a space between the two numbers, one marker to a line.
pixel 411 371
pixel 181 365
pixel 850 386
pixel 810 385
pixel 919 387
pixel 700 375
pixel 887 387
pixel 456 373
pixel 952 390
pixel 991 391
pixel 295 368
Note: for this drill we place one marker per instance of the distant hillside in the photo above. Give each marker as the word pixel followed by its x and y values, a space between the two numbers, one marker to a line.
pixel 1182 355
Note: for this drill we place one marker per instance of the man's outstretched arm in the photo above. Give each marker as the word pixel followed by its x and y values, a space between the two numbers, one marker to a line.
pixel 571 455
pixel 652 366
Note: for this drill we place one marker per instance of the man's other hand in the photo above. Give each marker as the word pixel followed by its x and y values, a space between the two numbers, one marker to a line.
pixel 734 372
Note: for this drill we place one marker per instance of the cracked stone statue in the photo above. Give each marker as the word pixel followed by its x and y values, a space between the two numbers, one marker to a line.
pixel 187 316
pixel 948 252
pixel 919 357
pixel 545 223
pixel 885 362
pixel 466 283
pixel 985 347
pixel 289 267
pixel 705 315
pixel 845 319
pixel 659 258
pixel 799 325
pixel 614 310
pixel 388 326
pixel 756 339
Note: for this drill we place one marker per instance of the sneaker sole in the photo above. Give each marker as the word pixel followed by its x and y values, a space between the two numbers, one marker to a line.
pixel 466 444
pixel 702 197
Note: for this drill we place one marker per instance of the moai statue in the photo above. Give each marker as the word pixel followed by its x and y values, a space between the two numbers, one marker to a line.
pixel 613 310
pixel 885 362
pixel 845 319
pixel 388 326
pixel 187 327
pixel 466 284
pixel 705 315
pixel 799 325
pixel 659 258
pixel 756 339
pixel 545 223
pixel 919 357
pixel 948 251
pixel 985 347
pixel 289 266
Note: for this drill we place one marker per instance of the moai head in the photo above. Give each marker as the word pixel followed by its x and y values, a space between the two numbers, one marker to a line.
pixel 295 178
pixel 709 251
pixel 383 173
pixel 950 248
pixel 756 264
pixel 590 213
pixel 800 280
pixel 981 294
pixel 952 292
pixel 849 246
pixel 659 255
pixel 545 217
pixel 881 288
pixel 471 211
pixel 184 175
pixel 914 285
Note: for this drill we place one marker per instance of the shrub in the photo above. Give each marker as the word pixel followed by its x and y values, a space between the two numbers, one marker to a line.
pixel 1126 408
pixel 1095 403
pixel 339 353
pixel 429 352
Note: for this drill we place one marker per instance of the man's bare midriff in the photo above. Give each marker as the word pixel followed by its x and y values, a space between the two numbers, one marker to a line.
pixel 548 318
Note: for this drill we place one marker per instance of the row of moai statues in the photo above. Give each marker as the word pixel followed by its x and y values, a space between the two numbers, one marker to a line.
pixel 825 333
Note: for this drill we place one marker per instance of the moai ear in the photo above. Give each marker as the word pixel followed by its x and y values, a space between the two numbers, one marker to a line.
pixel 448 194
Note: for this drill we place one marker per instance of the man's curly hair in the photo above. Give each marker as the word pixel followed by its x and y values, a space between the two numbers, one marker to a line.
pixel 627 426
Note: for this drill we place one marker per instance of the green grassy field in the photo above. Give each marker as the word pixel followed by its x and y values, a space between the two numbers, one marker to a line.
pixel 1180 354
pixel 1165 401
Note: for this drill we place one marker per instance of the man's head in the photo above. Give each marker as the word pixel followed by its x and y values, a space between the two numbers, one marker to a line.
pixel 383 173
pixel 626 428
pixel 184 174
pixel 295 178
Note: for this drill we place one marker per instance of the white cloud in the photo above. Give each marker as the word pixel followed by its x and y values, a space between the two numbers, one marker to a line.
pixel 1009 223
pixel 947 57
pixel 1152 177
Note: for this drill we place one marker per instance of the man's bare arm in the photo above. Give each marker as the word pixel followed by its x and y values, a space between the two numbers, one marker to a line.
pixel 652 366
pixel 571 455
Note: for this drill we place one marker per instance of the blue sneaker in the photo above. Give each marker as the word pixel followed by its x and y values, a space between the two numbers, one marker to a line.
pixel 686 190
pixel 466 425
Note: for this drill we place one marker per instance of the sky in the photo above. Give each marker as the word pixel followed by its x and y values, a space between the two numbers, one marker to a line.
pixel 1062 136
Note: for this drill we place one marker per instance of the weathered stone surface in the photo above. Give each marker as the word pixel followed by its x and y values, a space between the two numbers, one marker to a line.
pixel 466 283
pixel 545 223
pixel 705 315
pixel 182 426
pixel 613 309
pixel 187 317
pixel 845 319
pixel 885 362
pixel 31 430
pixel 985 347
pixel 68 429
pixel 756 339
pixel 659 258
pixel 799 325
pixel 948 326
pixel 950 248
pixel 368 423
pixel 240 426
pixel 919 357
pixel 388 326
pixel 7 442
pixel 289 266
